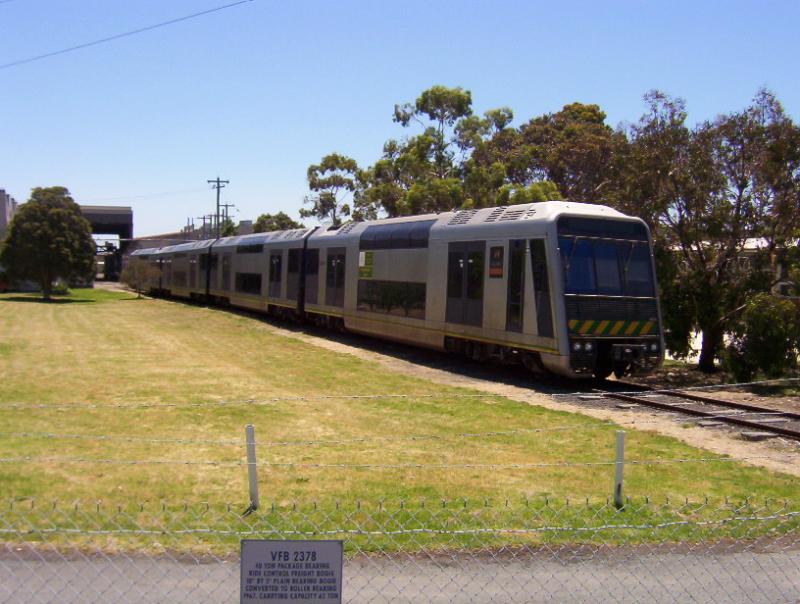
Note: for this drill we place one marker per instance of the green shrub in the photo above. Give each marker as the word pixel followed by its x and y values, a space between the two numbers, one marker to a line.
pixel 60 288
pixel 766 338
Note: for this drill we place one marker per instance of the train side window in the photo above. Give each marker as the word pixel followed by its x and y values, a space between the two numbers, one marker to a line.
pixel 516 285
pixel 541 287
pixel 248 283
pixel 403 299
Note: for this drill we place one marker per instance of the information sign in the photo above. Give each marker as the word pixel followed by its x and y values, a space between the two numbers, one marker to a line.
pixel 298 571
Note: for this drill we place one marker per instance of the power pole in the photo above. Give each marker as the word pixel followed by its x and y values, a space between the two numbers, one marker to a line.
pixel 218 185
pixel 225 211
pixel 205 218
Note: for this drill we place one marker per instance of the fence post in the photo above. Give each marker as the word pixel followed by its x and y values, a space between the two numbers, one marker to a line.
pixel 619 465
pixel 252 474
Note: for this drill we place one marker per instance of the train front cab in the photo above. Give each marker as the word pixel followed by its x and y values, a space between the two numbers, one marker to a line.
pixel 610 302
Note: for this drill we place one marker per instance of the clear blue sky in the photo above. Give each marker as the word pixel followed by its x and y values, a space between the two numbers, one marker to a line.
pixel 257 92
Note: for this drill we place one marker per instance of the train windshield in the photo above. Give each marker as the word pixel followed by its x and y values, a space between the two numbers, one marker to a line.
pixel 606 267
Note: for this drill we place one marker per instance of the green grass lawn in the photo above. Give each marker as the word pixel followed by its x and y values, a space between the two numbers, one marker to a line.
pixel 152 380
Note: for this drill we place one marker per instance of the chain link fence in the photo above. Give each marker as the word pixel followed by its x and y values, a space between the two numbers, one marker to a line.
pixel 432 551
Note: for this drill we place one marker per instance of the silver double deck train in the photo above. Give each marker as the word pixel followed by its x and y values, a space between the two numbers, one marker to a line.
pixel 561 287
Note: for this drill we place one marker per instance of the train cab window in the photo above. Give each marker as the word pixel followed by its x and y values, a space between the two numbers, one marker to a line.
pixel 638 271
pixel 578 266
pixel 606 262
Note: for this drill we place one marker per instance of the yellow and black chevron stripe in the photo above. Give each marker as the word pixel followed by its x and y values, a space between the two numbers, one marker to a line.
pixel 580 327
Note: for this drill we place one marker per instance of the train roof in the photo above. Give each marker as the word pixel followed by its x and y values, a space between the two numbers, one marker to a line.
pixel 442 226
pixel 261 238
pixel 446 225
pixel 145 251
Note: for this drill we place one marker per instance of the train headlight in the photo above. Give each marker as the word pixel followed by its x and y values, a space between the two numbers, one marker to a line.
pixel 588 347
pixel 653 347
pixel 576 347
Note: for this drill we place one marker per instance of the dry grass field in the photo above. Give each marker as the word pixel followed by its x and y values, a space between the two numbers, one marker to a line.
pixel 105 397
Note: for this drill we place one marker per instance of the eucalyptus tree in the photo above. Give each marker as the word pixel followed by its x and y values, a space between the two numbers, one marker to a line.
pixel 709 192
pixel 333 182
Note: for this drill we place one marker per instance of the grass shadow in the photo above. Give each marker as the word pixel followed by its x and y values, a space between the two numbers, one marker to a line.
pixel 41 300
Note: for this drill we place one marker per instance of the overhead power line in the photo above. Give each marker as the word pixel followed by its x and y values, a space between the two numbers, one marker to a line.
pixel 122 35
pixel 146 195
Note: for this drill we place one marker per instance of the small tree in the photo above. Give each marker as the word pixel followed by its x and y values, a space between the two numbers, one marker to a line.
pixel 47 239
pixel 275 222
pixel 333 180
pixel 766 338
pixel 139 274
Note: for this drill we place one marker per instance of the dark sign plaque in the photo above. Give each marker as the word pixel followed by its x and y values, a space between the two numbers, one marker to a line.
pixel 298 571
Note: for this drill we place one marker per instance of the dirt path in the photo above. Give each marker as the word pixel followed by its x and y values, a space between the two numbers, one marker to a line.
pixel 781 457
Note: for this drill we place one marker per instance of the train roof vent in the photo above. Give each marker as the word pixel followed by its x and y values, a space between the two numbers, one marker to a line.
pixel 462 217
pixel 512 213
pixel 347 228
pixel 495 214
pixel 530 213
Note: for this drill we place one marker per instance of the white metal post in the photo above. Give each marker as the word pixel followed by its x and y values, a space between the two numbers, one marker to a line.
pixel 252 474
pixel 618 467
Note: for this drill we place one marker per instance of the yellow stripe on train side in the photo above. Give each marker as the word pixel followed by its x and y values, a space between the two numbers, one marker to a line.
pixel 631 328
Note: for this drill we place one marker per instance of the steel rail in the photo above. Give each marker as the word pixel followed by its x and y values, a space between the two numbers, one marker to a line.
pixel 795 434
pixel 714 401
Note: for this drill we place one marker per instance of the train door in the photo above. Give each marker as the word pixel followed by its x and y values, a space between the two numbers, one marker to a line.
pixel 334 276
pixel 515 302
pixel 541 288
pixel 465 269
pixel 275 273
pixel 312 275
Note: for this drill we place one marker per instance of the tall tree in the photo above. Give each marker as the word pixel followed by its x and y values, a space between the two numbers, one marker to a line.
pixel 48 239
pixel 707 192
pixel 576 150
pixel 275 222
pixel 332 181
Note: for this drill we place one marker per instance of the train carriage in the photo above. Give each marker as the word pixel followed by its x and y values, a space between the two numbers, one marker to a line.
pixel 561 287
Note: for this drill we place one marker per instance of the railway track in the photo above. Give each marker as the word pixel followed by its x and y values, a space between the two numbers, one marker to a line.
pixel 761 422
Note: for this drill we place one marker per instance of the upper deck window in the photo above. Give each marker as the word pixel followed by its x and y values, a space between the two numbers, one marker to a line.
pixel 397 236
pixel 250 248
